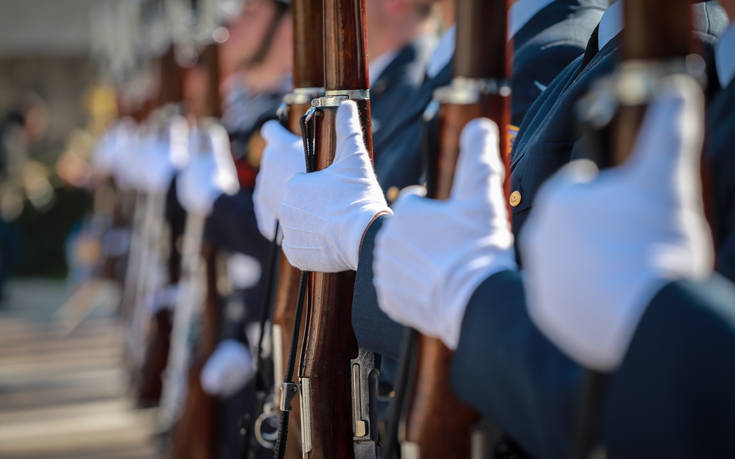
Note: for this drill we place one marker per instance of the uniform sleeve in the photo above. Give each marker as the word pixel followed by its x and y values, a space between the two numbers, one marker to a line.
pixel 506 369
pixel 232 225
pixel 726 257
pixel 672 396
pixel 374 330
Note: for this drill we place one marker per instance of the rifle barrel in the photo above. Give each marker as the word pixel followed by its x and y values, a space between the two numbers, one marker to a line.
pixel 308 63
pixel 437 423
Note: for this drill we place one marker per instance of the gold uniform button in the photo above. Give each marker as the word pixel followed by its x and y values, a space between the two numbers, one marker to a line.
pixel 515 198
pixel 393 193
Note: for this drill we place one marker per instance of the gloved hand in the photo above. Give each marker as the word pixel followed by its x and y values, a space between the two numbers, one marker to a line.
pixel 283 158
pixel 105 155
pixel 432 255
pixel 228 369
pixel 324 214
pixel 599 246
pixel 126 154
pixel 208 174
pixel 178 135
pixel 154 167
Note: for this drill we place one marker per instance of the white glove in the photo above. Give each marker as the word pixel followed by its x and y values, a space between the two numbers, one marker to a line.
pixel 598 247
pixel 155 170
pixel 229 369
pixel 105 153
pixel 126 154
pixel 283 158
pixel 163 298
pixel 324 214
pixel 208 174
pixel 432 255
pixel 178 134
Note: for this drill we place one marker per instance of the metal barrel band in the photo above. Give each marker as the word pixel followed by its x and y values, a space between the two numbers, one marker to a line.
pixel 302 96
pixel 352 94
pixel 634 83
pixel 465 91
pixel 334 98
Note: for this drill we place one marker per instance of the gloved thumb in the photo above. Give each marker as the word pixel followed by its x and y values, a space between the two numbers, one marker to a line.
pixel 226 174
pixel 480 171
pixel 349 131
pixel 179 140
pixel 274 133
pixel 668 149
pixel 407 194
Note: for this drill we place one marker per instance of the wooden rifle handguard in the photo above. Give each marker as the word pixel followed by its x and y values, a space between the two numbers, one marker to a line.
pixel 436 424
pixel 308 80
pixel 329 342
pixel 657 34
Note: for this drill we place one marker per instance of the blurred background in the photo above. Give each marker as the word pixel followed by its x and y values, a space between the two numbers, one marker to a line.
pixel 48 77
pixel 70 70
pixel 62 388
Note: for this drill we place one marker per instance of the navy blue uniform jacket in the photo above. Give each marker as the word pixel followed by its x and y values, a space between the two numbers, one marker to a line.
pixel 671 397
pixel 549 41
pixel 721 161
pixel 548 134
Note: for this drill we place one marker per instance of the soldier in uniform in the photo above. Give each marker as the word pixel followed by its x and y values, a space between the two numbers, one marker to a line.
pixel 530 387
pixel 433 281
pixel 661 317
pixel 548 136
pixel 721 162
pixel 547 36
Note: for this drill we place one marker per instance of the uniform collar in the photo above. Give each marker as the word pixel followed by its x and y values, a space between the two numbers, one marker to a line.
pixel 611 24
pixel 442 53
pixel 725 57
pixel 522 12
pixel 379 64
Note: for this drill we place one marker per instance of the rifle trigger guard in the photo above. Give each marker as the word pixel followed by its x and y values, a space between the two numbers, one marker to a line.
pixel 266 439
pixel 288 392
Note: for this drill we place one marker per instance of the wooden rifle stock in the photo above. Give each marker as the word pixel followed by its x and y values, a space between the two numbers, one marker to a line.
pixel 436 424
pixel 656 40
pixel 209 59
pixel 158 340
pixel 308 79
pixel 171 81
pixel 195 434
pixel 329 342
pixel 658 31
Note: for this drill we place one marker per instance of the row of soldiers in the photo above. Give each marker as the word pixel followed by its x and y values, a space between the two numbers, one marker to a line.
pixel 584 309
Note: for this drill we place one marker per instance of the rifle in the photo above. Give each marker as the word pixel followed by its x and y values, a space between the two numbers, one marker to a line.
pixel 190 296
pixel 657 42
pixel 329 343
pixel 195 435
pixel 435 423
pixel 308 80
pixel 161 324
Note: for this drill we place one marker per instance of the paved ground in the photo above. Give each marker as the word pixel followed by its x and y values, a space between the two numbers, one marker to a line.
pixel 62 387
